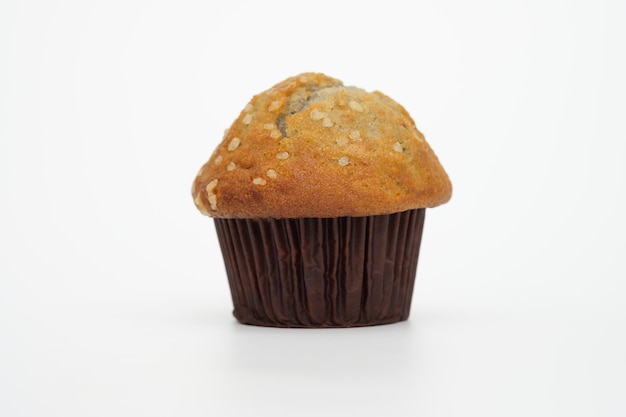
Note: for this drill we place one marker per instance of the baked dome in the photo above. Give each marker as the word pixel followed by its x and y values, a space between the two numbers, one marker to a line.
pixel 311 147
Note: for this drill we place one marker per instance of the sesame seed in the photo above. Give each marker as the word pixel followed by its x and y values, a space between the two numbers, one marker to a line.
pixel 248 108
pixel 213 201
pixel 218 159
pixel 211 186
pixel 269 126
pixel 234 144
pixel 343 161
pixel 397 147
pixel 275 134
pixel 226 132
pixel 271 173
pixel 317 115
pixel 282 155
pixel 275 105
pixel 342 141
pixel 259 181
pixel 247 119
pixel 355 106
pixel 327 122
pixel 354 135
pixel 231 166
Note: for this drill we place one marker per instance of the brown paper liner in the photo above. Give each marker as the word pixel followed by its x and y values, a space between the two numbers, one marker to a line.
pixel 317 272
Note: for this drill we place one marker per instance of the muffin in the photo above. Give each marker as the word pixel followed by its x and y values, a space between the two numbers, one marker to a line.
pixel 318 193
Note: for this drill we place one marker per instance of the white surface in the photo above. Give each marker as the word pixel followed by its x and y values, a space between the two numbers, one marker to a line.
pixel 113 297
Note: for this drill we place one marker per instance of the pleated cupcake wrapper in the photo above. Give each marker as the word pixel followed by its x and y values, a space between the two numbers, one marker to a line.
pixel 322 272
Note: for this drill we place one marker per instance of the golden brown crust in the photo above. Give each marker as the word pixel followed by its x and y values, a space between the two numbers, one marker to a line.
pixel 310 147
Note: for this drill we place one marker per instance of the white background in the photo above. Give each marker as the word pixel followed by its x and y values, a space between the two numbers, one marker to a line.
pixel 113 296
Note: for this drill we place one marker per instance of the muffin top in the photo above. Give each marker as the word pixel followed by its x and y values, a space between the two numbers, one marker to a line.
pixel 311 147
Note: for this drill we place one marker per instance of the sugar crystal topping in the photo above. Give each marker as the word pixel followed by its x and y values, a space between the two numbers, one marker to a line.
pixel 355 106
pixel 317 115
pixel 211 195
pixel 234 144
pixel 211 186
pixel 213 201
pixel 200 204
pixel 275 105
